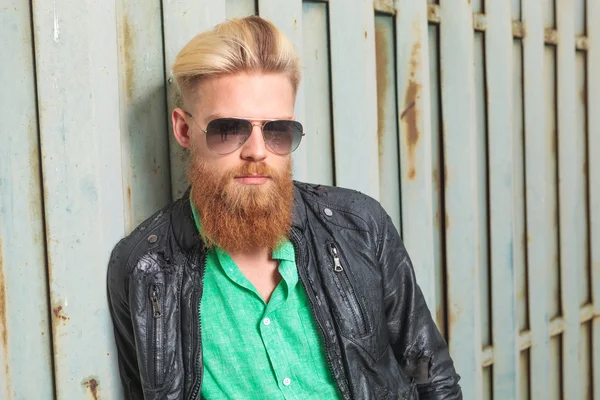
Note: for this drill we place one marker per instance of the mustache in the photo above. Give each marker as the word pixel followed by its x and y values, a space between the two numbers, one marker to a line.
pixel 252 168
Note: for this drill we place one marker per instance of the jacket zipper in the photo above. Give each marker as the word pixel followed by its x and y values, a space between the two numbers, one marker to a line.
pixel 199 371
pixel 156 331
pixel 312 307
pixel 342 277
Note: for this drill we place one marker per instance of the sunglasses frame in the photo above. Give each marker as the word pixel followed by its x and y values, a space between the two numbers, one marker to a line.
pixel 264 122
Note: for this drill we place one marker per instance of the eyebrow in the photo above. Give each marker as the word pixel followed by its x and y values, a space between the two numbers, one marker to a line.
pixel 220 115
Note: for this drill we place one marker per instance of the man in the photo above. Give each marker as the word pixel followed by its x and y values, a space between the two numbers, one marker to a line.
pixel 253 286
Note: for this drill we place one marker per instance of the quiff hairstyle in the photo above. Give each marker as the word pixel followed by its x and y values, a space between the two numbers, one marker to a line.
pixel 250 44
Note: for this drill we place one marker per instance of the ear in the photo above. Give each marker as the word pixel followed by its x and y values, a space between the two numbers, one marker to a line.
pixel 181 129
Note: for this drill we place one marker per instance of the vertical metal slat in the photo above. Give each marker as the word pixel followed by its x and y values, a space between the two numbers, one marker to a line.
pixel 538 206
pixel 499 48
pixel 182 20
pixel 352 40
pixel 240 8
pixel 414 114
pixel 437 180
pixel 77 76
pixel 317 125
pixel 462 236
pixel 143 117
pixel 25 345
pixel 387 123
pixel 593 99
pixel 572 213
pixel 287 16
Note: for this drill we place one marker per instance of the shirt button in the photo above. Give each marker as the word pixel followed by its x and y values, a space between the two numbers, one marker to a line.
pixel 267 321
pixel 287 381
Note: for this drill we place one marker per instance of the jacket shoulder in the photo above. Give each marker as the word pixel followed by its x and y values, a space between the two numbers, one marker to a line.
pixel 146 238
pixel 366 212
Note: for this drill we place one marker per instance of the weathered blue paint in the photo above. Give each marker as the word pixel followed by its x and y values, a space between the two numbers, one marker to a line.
pixel 318 122
pixel 481 170
pixel 240 8
pixel 502 213
pixel 592 96
pixel 539 195
pixel 143 118
pixel 78 92
pixel 352 40
pixel 520 236
pixel 287 15
pixel 462 219
pixel 415 143
pixel 437 180
pixel 572 201
pixel 25 335
pixel 182 20
pixel 387 121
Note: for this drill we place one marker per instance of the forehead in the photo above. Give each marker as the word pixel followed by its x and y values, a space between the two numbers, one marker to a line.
pixel 257 95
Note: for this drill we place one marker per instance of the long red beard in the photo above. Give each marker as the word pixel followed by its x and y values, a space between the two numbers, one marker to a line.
pixel 241 218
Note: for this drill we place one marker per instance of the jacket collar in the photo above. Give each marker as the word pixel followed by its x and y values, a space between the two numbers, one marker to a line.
pixel 185 231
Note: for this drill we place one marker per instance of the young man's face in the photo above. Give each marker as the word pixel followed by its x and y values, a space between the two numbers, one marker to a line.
pixel 253 96
pixel 245 196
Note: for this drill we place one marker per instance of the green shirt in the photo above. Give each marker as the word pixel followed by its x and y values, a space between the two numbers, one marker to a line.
pixel 258 350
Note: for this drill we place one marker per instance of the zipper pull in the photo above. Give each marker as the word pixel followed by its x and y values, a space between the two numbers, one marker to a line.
pixel 337 265
pixel 155 305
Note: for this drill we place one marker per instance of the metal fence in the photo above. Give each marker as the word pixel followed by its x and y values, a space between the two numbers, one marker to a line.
pixel 474 122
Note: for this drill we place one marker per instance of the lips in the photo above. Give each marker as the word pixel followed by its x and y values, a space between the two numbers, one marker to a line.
pixel 252 179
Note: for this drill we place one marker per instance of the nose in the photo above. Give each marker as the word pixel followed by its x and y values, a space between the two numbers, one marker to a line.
pixel 254 149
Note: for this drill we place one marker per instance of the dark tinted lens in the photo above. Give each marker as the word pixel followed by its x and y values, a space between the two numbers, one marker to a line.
pixel 282 136
pixel 226 135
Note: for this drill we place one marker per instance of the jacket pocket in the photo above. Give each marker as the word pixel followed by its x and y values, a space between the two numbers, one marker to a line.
pixel 343 282
pixel 155 345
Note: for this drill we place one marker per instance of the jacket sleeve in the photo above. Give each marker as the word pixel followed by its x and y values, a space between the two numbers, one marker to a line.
pixel 118 281
pixel 420 349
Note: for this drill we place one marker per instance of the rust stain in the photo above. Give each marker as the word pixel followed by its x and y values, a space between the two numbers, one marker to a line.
pixel 383 83
pixel 58 313
pixel 366 35
pixel 3 323
pixel 128 57
pixel 439 316
pixel 130 207
pixel 92 384
pixel 411 111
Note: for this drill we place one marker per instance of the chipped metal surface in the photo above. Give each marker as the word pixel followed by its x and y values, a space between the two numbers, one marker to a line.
pixel 387 123
pixel 25 340
pixel 416 146
pixel 384 6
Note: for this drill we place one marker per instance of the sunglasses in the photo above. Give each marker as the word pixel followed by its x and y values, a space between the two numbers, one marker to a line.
pixel 226 135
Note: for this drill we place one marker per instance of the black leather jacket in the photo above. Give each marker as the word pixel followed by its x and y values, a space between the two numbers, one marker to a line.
pixel 380 339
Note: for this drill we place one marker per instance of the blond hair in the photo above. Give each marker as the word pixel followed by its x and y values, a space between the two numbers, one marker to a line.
pixel 250 44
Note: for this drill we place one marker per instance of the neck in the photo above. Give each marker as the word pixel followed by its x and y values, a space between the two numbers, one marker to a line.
pixel 251 257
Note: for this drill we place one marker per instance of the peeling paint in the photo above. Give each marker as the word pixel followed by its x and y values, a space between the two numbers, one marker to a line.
pixel 411 112
pixel 56 25
pixel 92 385
pixel 383 85
pixel 128 57
pixel 58 313
pixel 4 325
